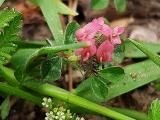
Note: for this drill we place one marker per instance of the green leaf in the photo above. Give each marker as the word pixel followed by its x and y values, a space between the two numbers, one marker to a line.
pixel 154 110
pixel 96 87
pixel 120 5
pixel 24 57
pixel 99 4
pixel 136 75
pixel 131 51
pixel 21 57
pixel 99 88
pixel 91 90
pixel 63 9
pixel 10 26
pixel 19 75
pixel 113 74
pixel 51 69
pixel 50 11
pixel 5 108
pixel 70 32
pixel 154 57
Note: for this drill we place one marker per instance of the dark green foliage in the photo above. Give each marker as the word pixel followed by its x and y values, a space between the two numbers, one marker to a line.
pixel 51 69
pixel 70 32
pixel 96 87
pixel 99 88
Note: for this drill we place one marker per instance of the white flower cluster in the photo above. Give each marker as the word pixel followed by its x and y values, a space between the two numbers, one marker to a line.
pixel 58 113
pixel 47 102
pixel 52 116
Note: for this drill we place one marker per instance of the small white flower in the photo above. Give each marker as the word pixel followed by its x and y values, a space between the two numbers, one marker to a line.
pixel 56 117
pixel 44 99
pixel 49 116
pixel 78 118
pixel 55 110
pixel 43 104
pixel 82 118
pixel 68 114
pixel 51 113
pixel 60 115
pixel 47 102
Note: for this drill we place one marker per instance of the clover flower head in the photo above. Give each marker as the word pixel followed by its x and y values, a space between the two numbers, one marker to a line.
pixel 88 33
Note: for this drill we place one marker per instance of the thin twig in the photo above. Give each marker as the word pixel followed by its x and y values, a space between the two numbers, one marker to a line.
pixel 73 5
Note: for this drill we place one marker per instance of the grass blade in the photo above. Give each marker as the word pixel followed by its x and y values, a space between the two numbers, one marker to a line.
pixel 154 57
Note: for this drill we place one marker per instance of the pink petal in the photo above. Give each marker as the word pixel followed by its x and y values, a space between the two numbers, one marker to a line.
pixel 89 30
pixel 99 21
pixel 116 40
pixel 105 51
pixel 106 30
pixel 118 31
pixel 80 34
pixel 86 53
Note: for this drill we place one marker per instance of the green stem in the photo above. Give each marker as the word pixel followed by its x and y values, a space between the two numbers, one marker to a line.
pixel 8 75
pixel 66 96
pixel 9 90
pixel 59 48
pixel 31 44
pixel 50 90
pixel 132 113
pixel 128 112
